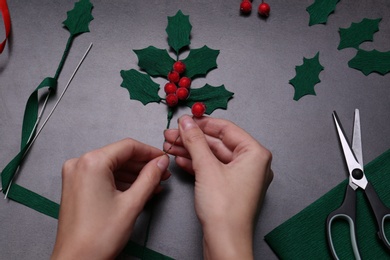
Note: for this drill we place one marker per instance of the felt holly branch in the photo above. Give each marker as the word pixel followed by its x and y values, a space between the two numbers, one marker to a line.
pixel 179 73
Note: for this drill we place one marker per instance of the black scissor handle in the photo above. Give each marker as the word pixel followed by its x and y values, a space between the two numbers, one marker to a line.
pixel 381 212
pixel 347 211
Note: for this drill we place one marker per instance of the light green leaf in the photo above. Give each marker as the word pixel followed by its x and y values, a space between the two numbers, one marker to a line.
pixel 200 61
pixel 140 86
pixel 79 18
pixel 212 97
pixel 178 30
pixel 156 62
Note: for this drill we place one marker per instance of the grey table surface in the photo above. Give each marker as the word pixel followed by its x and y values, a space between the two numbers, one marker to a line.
pixel 256 61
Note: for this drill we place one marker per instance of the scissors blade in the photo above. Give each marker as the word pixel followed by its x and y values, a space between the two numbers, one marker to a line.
pixel 350 158
pixel 357 139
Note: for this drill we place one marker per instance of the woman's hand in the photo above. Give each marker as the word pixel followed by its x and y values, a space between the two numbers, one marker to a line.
pixel 103 192
pixel 232 173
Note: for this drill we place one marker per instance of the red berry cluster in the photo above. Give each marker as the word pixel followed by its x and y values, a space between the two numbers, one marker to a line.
pixel 178 88
pixel 263 9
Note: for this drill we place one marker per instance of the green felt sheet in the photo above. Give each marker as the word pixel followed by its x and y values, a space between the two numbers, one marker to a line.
pixel 304 235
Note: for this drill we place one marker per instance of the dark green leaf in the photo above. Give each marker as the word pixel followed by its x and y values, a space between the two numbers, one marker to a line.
pixel 178 30
pixel 156 62
pixel 306 77
pixel 200 61
pixel 320 10
pixel 358 33
pixel 371 61
pixel 140 86
pixel 79 17
pixel 212 97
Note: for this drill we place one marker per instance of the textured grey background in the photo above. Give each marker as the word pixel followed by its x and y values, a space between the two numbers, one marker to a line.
pixel 257 59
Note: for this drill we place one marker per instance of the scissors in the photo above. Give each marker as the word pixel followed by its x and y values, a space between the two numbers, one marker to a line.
pixel 347 211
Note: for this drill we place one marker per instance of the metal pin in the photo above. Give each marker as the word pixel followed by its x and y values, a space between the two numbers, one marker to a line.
pixel 174 142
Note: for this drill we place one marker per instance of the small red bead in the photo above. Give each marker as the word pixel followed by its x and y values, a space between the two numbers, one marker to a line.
pixel 246 6
pixel 170 88
pixel 264 9
pixel 179 67
pixel 182 93
pixel 198 109
pixel 173 76
pixel 171 100
pixel 185 82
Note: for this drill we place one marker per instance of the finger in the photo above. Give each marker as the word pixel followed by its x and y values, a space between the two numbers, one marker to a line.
pixel 172 136
pixel 195 142
pixel 185 164
pixel 120 152
pixel 129 177
pixel 147 181
pixel 229 133
pixel 218 148
pixel 175 150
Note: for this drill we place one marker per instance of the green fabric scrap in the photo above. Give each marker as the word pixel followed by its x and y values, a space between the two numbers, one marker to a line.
pixel 304 235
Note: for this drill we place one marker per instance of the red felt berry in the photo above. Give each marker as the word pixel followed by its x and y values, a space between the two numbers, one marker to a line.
pixel 185 82
pixel 171 100
pixel 170 88
pixel 179 67
pixel 246 6
pixel 173 76
pixel 198 109
pixel 182 93
pixel 264 9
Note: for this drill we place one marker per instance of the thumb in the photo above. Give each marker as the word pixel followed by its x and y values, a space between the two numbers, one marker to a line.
pixel 195 142
pixel 147 180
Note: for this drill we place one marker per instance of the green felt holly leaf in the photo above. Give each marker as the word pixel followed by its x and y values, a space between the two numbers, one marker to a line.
pixel 358 33
pixel 306 77
pixel 320 10
pixel 178 30
pixel 212 97
pixel 140 86
pixel 156 62
pixel 200 61
pixel 371 61
pixel 79 18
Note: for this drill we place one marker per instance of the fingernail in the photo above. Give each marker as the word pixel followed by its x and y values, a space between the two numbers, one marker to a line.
pixel 186 122
pixel 163 163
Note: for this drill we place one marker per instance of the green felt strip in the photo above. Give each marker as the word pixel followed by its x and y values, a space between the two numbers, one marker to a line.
pixel 34 201
pixel 304 235
pixel 29 119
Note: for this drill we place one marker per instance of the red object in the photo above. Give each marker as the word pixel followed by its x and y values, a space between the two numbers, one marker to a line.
pixel 179 67
pixel 246 6
pixel 185 82
pixel 173 76
pixel 170 88
pixel 198 109
pixel 7 22
pixel 172 100
pixel 182 93
pixel 264 9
